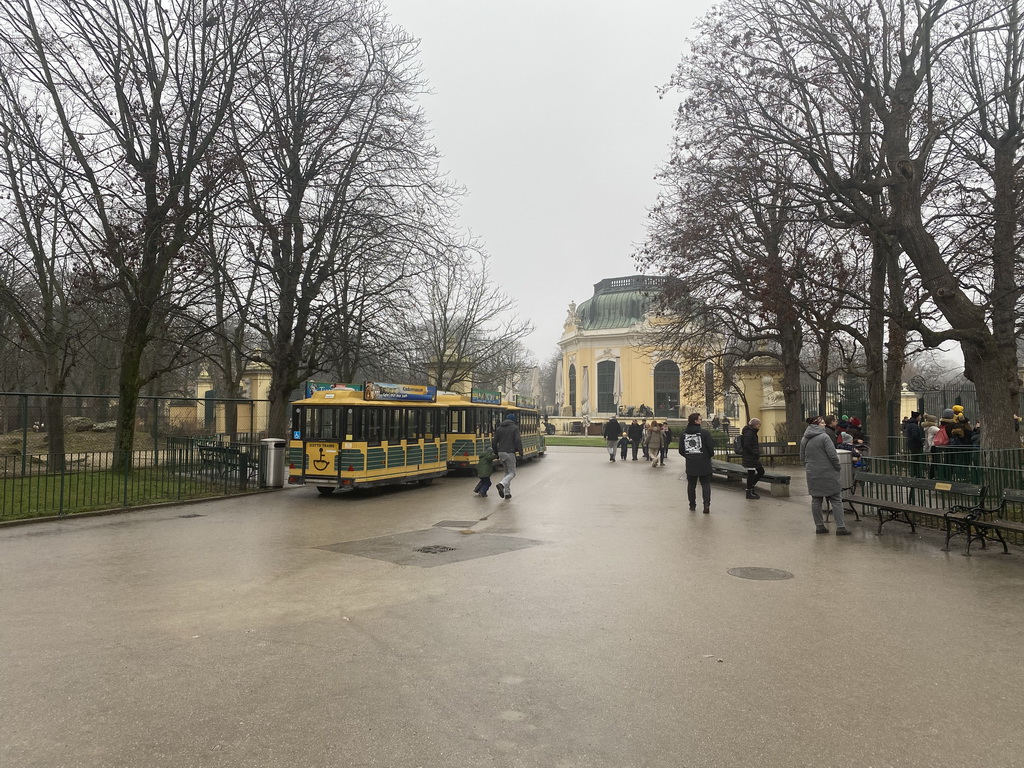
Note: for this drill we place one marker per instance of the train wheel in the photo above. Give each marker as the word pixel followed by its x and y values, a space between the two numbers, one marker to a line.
pixel 427 481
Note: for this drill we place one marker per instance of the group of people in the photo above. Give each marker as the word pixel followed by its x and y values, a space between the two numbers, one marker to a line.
pixel 818 451
pixel 653 439
pixel 696 445
pixel 926 435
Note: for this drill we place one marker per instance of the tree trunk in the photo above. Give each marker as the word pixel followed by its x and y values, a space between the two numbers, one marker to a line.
pixel 128 388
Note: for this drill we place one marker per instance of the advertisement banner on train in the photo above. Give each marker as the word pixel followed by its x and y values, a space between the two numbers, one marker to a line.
pixel 485 397
pixel 378 390
pixel 321 386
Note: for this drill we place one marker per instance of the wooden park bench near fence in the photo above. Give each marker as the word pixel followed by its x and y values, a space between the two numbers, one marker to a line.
pixel 978 523
pixel 770 451
pixel 223 461
pixel 901 499
pixel 779 482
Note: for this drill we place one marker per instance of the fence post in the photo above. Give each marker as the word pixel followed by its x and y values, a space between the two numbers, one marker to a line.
pixel 155 432
pixel 24 434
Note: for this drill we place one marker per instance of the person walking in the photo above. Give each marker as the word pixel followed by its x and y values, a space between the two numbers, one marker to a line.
pixel 484 470
pixel 635 433
pixel 653 443
pixel 818 454
pixel 612 432
pixel 666 441
pixel 696 446
pixel 623 446
pixel 751 456
pixel 507 444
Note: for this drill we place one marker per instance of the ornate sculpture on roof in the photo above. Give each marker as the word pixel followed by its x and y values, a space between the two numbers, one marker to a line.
pixel 572 318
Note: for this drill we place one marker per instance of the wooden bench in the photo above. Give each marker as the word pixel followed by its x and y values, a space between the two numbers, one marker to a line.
pixel 779 482
pixel 783 449
pixel 902 498
pixel 977 523
pixel 223 461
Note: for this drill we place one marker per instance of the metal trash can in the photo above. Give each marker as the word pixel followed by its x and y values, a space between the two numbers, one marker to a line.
pixel 845 470
pixel 272 466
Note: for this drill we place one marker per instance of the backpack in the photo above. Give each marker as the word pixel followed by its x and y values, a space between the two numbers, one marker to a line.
pixel 737 444
pixel 941 437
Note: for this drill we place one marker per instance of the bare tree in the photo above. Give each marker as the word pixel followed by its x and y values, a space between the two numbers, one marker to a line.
pixel 140 91
pixel 864 93
pixel 460 328
pixel 339 180
pixel 34 246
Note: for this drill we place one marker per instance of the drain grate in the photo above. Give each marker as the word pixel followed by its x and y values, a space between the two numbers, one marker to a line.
pixel 192 515
pixel 761 574
pixel 434 549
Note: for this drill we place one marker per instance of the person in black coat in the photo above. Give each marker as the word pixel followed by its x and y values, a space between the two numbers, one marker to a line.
pixel 612 432
pixel 915 442
pixel 635 433
pixel 696 447
pixel 751 456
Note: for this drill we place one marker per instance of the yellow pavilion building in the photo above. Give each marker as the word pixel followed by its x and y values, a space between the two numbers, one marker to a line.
pixel 606 369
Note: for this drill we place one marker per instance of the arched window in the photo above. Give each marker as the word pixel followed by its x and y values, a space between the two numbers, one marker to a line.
pixel 666 389
pixel 606 386
pixel 572 389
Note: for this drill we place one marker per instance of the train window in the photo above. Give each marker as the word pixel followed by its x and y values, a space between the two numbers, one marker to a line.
pixel 372 425
pixel 299 419
pixel 396 429
pixel 352 423
pixel 324 423
pixel 459 420
pixel 414 417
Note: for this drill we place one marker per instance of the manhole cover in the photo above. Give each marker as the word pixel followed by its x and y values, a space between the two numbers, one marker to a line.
pixel 435 549
pixel 192 515
pixel 761 574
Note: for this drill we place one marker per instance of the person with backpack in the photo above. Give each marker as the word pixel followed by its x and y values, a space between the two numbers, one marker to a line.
pixel 750 452
pixel 696 446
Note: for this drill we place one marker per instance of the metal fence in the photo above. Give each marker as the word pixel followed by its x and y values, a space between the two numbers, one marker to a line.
pixel 996 470
pixel 185 468
pixel 89 422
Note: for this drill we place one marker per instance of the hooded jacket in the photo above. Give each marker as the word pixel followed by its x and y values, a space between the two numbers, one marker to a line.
pixel 506 438
pixel 696 447
pixel 818 453
pixel 751 455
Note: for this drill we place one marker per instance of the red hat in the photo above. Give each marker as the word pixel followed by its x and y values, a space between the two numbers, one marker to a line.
pixel 854 422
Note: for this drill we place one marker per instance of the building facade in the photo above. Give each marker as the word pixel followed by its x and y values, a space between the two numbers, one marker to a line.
pixel 605 367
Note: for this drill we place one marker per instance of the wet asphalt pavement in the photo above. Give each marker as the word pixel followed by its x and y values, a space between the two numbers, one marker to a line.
pixel 591 621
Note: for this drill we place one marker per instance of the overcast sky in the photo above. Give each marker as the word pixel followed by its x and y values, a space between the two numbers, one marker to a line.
pixel 547 112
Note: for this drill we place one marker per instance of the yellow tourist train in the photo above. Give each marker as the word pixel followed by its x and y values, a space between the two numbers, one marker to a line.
pixel 348 436
pixel 473 418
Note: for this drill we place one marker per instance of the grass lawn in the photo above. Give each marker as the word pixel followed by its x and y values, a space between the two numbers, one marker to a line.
pixel 51 494
pixel 589 442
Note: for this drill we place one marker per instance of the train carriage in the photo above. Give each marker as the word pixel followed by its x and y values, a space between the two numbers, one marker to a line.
pixel 473 418
pixel 362 436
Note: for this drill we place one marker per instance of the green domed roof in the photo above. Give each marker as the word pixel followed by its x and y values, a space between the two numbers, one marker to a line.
pixel 618 302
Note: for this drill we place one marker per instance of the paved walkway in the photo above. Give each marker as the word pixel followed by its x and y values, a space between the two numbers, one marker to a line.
pixel 589 622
